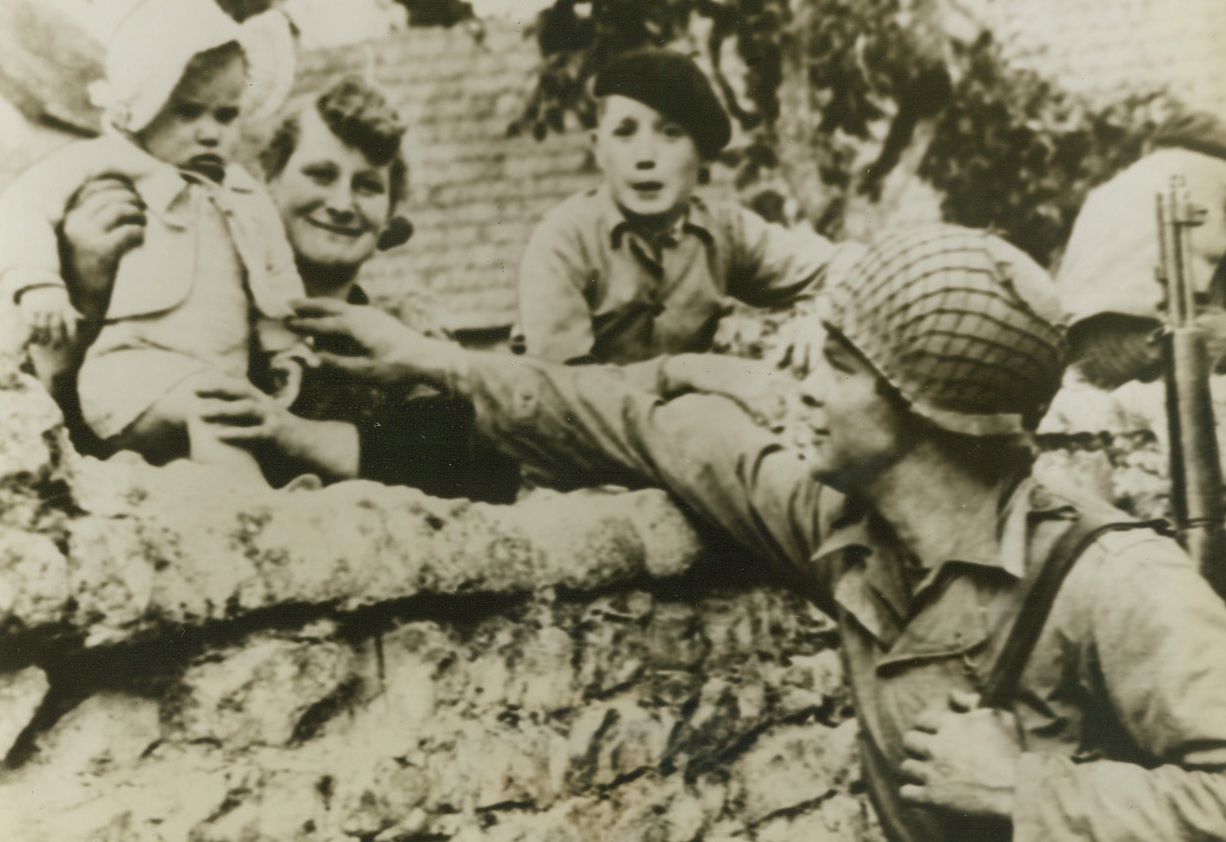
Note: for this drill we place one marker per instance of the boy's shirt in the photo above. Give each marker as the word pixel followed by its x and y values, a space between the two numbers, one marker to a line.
pixel 157 275
pixel 593 289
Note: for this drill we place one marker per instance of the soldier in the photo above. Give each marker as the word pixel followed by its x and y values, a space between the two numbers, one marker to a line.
pixel 642 266
pixel 1107 275
pixel 910 514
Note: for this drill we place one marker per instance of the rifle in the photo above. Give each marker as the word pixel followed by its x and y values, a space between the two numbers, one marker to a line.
pixel 1196 473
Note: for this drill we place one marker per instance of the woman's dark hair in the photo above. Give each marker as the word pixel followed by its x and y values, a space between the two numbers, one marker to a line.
pixel 360 116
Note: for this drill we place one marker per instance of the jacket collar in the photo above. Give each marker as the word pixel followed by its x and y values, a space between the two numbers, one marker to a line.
pixel 160 185
pixel 870 578
pixel 697 219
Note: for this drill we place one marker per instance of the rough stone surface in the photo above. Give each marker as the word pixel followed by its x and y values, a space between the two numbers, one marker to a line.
pixel 20 695
pixel 518 723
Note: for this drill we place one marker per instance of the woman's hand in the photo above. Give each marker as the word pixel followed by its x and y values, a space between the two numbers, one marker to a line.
pixel 242 415
pixel 388 351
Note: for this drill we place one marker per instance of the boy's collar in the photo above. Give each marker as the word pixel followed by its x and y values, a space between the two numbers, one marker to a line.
pixel 696 219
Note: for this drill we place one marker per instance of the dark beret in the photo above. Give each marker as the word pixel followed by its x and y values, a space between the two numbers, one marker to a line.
pixel 673 85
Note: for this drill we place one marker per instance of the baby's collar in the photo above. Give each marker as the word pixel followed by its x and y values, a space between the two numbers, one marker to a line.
pixel 159 183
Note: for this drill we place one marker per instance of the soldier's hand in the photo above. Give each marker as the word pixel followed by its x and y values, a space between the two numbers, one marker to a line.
pixel 386 351
pixel 963 758
pixel 757 386
pixel 798 343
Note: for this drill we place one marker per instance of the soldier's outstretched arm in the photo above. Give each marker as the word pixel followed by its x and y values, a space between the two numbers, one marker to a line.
pixel 591 422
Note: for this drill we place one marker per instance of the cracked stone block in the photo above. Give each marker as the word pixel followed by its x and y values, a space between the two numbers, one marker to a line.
pixel 407 685
pixel 807 681
pixel 612 652
pixel 647 809
pixel 268 692
pixel 34 580
pixel 106 732
pixel 675 639
pixel 75 772
pixel 168 547
pixel 790 766
pixel 21 694
pixel 384 794
pixel 651 809
pixel 267 804
pixel 417 751
pixel 626 738
pixel 523 663
pixel 27 412
pixel 839 818
pixel 479 765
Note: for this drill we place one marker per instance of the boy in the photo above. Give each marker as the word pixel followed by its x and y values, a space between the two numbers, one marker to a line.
pixel 215 272
pixel 640 266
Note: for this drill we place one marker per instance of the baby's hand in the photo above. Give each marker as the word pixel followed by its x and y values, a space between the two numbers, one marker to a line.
pixel 49 316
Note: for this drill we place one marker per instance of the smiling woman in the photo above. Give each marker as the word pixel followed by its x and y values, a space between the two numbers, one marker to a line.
pixel 337 175
pixel 335 203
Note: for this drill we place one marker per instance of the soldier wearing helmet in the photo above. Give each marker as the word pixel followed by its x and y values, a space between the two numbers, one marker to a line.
pixel 1106 276
pixel 910 514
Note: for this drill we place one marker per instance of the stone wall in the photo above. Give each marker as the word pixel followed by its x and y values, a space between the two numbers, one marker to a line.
pixel 184 659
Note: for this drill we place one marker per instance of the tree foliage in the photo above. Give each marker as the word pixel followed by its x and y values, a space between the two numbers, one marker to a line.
pixel 1009 150
pixel 1014 152
pixel 577 37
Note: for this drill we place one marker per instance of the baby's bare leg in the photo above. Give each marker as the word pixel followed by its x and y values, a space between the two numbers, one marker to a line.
pixel 171 429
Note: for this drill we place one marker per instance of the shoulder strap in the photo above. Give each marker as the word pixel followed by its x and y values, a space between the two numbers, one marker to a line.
pixel 1001 683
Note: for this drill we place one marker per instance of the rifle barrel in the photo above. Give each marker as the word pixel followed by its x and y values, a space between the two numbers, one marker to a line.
pixel 1196 472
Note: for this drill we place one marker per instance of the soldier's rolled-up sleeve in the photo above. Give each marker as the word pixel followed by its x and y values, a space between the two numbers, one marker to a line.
pixel 703 449
pixel 1155 635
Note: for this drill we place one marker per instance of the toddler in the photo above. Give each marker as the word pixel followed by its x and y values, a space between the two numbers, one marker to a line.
pixel 204 296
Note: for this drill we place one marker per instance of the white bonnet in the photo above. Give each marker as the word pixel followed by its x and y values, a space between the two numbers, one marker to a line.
pixel 152 45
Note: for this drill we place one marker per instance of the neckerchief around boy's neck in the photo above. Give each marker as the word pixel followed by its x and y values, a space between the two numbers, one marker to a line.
pixel 663 239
